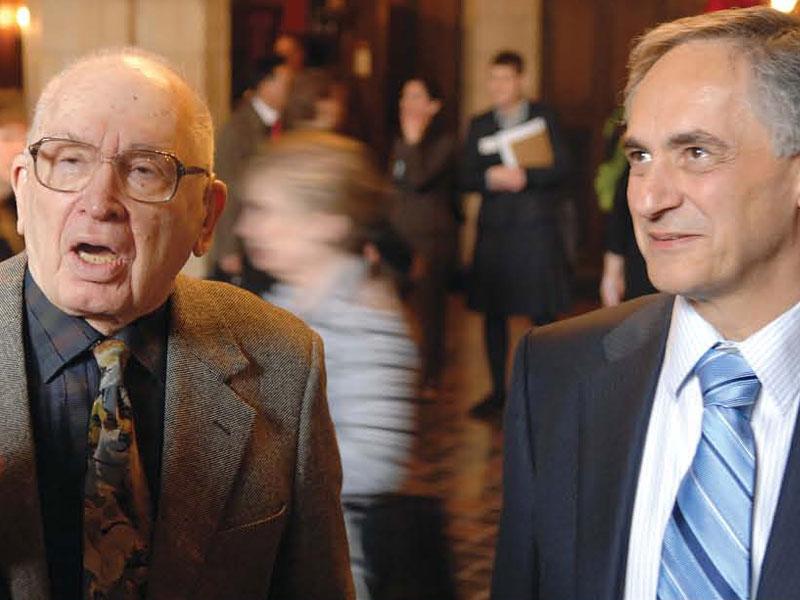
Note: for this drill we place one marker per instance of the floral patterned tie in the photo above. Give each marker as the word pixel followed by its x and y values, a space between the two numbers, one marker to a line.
pixel 117 520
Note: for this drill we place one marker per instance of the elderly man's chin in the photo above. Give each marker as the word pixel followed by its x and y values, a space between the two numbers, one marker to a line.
pixel 107 302
pixel 94 299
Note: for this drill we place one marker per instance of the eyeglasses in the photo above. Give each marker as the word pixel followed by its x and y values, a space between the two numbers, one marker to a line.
pixel 150 176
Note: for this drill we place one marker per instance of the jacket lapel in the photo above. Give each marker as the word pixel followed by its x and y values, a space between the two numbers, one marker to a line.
pixel 206 430
pixel 22 553
pixel 616 411
pixel 780 576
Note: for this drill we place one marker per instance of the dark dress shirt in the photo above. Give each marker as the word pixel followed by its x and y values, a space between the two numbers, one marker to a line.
pixel 63 381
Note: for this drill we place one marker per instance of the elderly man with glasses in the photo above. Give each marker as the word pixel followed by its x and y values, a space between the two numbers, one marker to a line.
pixel 160 437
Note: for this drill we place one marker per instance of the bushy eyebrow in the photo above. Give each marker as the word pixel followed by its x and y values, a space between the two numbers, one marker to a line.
pixel 631 143
pixel 696 137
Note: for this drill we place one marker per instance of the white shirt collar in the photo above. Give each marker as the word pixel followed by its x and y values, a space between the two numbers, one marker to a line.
pixel 265 112
pixel 773 352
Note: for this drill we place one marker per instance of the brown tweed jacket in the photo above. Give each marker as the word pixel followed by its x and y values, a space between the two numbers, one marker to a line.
pixel 249 504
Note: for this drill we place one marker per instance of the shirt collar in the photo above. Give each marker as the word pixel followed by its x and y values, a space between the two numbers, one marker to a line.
pixel 65 336
pixel 265 112
pixel 690 336
pixel 771 352
pixel 514 117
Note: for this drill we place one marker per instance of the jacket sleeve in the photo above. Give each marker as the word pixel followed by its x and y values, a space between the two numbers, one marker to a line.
pixel 314 560
pixel 516 573
pixel 558 172
pixel 425 164
pixel 472 174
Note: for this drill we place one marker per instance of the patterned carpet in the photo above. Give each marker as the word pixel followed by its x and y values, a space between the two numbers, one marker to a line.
pixel 460 457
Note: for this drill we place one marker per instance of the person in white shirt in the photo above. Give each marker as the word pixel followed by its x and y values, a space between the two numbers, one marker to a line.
pixel 256 119
pixel 650 448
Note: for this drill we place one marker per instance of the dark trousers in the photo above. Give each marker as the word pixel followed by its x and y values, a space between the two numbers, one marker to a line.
pixel 398 548
pixel 496 341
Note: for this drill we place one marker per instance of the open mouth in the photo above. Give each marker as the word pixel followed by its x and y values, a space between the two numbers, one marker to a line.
pixel 96 255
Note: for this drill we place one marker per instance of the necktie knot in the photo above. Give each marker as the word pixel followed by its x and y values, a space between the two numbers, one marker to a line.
pixel 111 356
pixel 726 379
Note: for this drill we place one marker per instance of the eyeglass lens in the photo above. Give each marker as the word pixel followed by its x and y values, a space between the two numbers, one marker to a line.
pixel 68 166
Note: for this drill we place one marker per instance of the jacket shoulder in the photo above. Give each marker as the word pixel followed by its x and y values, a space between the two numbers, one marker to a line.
pixel 588 334
pixel 257 325
pixel 483 120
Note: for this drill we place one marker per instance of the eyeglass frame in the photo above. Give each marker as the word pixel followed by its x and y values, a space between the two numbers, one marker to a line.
pixel 181 169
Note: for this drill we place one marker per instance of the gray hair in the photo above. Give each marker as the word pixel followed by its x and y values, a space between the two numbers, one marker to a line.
pixel 769 40
pixel 198 123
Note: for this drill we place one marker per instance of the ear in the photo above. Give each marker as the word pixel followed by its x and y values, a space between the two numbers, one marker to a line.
pixel 436 106
pixel 20 183
pixel 214 202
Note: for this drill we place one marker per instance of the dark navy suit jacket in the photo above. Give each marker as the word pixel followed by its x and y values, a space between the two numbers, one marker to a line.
pixel 575 427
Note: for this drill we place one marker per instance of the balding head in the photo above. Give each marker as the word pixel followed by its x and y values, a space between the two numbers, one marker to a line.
pixel 115 190
pixel 190 108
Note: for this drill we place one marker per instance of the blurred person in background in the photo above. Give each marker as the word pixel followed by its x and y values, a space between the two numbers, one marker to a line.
pixel 519 266
pixel 256 120
pixel 315 229
pixel 291 48
pixel 624 270
pixel 316 100
pixel 13 130
pixel 424 171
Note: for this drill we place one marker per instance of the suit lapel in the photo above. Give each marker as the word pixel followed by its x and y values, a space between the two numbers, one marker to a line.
pixel 206 430
pixel 22 553
pixel 616 410
pixel 780 577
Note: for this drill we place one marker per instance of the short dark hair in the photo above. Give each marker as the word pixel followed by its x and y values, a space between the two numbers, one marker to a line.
pixel 509 58
pixel 264 69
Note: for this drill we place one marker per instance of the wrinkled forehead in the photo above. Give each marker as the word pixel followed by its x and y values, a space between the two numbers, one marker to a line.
pixel 116 103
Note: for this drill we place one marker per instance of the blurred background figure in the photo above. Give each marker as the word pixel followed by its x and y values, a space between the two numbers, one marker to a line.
pixel 624 273
pixel 424 212
pixel 13 131
pixel 256 120
pixel 624 270
pixel 291 48
pixel 316 100
pixel 519 267
pixel 319 230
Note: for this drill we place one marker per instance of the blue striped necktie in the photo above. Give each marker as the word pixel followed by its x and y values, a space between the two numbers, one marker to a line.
pixel 706 552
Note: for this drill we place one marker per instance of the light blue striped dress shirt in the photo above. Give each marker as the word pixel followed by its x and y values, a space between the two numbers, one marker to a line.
pixel 674 430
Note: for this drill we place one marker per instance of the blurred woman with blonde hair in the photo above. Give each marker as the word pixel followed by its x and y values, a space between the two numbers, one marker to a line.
pixel 315 216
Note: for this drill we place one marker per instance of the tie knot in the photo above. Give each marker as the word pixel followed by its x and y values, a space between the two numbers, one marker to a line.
pixel 726 379
pixel 111 356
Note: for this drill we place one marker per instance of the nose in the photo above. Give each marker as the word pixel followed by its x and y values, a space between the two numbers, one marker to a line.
pixel 653 189
pixel 102 196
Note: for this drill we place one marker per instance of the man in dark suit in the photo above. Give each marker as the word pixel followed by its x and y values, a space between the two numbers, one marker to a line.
pixel 651 449
pixel 255 120
pixel 519 265
pixel 209 467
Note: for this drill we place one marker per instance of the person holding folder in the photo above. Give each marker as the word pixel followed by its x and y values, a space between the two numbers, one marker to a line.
pixel 516 156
